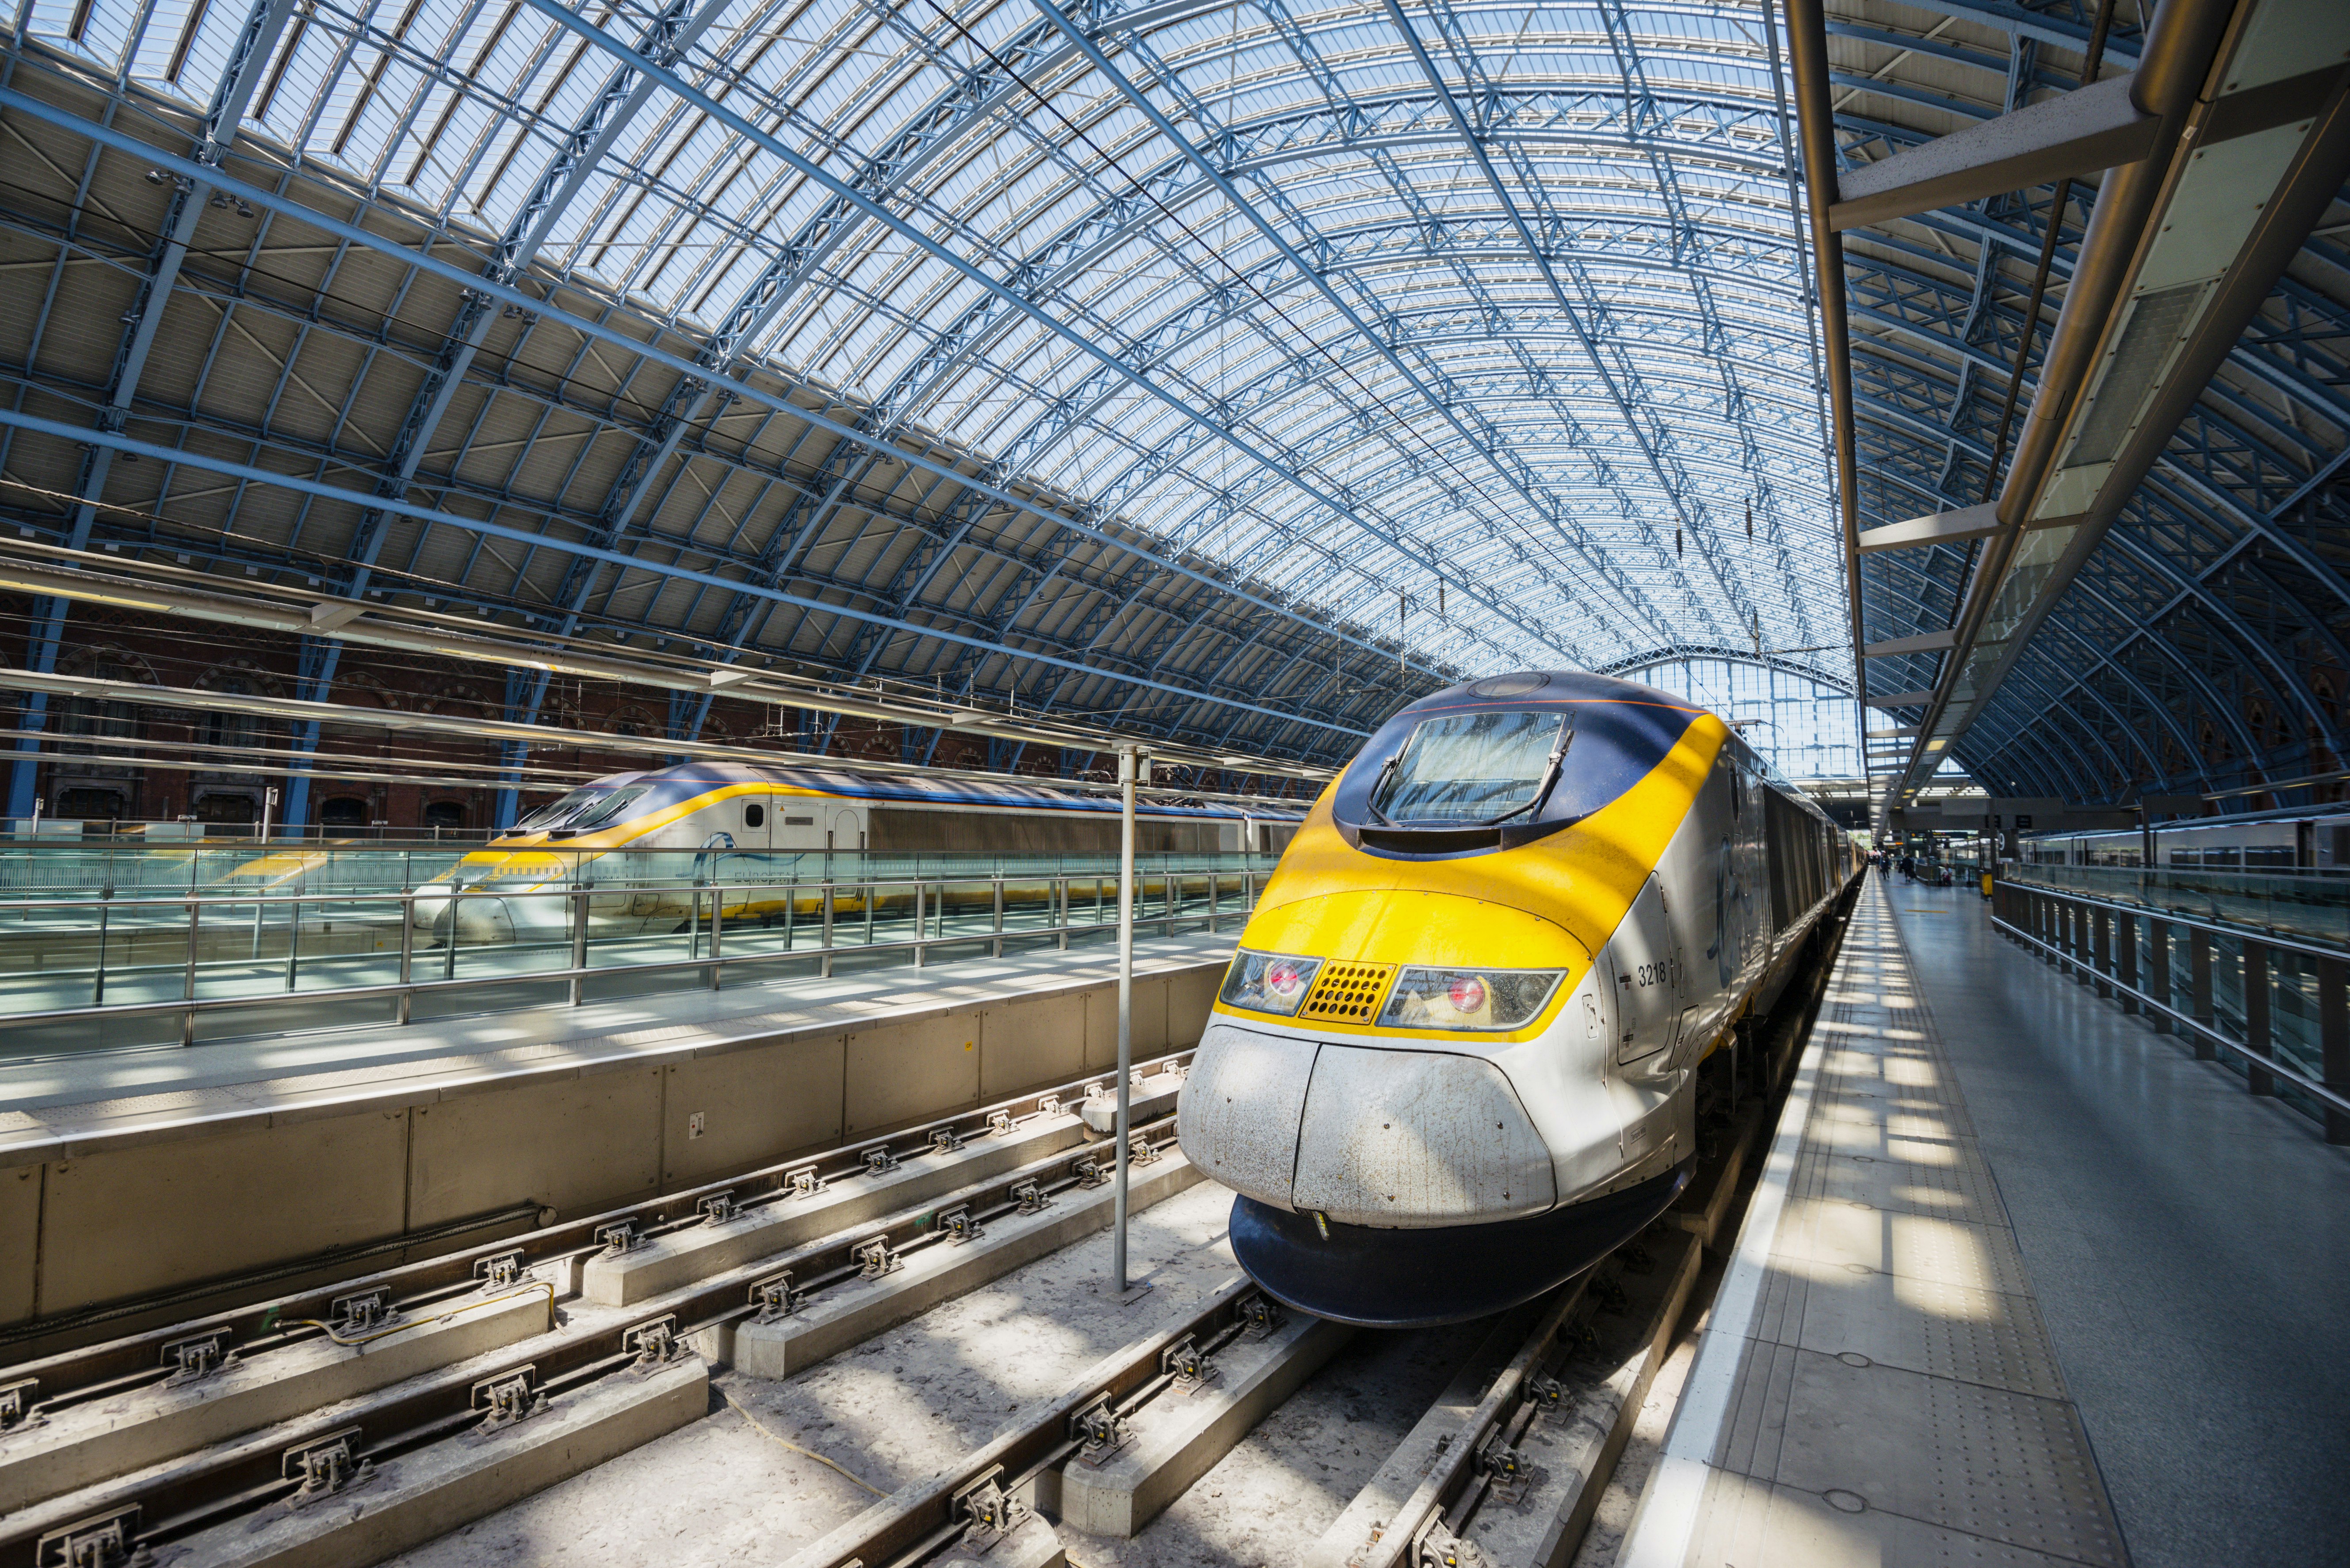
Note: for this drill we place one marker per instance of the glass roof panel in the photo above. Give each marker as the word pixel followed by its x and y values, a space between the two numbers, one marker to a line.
pixel 1305 333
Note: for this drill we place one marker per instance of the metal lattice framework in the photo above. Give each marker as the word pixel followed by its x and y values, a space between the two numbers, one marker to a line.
pixel 1225 372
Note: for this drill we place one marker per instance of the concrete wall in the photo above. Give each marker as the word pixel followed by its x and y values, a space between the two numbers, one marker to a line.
pixel 171 1207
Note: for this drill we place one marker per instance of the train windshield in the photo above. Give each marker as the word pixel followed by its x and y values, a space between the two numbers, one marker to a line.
pixel 1473 767
pixel 609 808
pixel 559 811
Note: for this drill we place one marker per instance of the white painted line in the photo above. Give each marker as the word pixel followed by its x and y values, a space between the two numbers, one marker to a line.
pixel 1667 1518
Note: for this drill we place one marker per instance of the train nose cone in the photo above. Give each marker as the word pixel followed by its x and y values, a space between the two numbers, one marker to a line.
pixel 1392 1188
pixel 1362 1135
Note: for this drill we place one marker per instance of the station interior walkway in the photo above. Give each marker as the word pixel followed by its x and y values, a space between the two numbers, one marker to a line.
pixel 2189 1245
pixel 2035 1286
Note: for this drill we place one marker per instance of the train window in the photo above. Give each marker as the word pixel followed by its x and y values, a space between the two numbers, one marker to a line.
pixel 1473 767
pixel 754 816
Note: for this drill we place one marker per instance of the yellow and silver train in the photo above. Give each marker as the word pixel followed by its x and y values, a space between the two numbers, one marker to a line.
pixel 644 839
pixel 1454 1061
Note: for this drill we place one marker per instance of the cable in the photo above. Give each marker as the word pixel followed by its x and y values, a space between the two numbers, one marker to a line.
pixel 329 1329
pixel 762 1428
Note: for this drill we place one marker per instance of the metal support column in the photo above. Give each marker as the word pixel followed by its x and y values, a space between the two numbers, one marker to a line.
pixel 1133 767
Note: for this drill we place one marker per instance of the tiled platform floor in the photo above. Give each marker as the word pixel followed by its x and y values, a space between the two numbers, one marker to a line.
pixel 1877 1386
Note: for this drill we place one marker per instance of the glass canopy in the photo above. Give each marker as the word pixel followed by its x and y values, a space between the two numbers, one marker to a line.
pixel 1490 318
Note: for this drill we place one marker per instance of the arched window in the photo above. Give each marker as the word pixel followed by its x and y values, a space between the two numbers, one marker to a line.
pixel 95 718
pixel 230 730
pixel 343 811
pixel 445 813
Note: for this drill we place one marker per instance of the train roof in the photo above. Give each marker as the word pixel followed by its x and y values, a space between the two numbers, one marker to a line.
pixel 936 791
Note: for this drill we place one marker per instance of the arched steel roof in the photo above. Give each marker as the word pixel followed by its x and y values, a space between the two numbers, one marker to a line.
pixel 1161 363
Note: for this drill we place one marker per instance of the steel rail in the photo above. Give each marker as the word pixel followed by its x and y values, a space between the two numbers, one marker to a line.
pixel 2264 1062
pixel 928 1515
pixel 206 1492
pixel 66 1371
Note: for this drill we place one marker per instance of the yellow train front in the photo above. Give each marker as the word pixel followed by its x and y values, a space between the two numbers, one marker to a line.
pixel 1453 1063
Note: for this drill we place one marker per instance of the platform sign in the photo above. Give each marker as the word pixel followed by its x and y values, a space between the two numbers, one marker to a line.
pixel 2023 821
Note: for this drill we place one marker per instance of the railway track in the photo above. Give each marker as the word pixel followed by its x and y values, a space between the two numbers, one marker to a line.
pixel 347 1424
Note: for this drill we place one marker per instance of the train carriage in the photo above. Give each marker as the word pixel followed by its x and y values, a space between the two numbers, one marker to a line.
pixel 1454 1061
pixel 766 836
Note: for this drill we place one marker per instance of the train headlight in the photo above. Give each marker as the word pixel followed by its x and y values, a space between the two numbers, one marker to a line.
pixel 1468 998
pixel 1269 983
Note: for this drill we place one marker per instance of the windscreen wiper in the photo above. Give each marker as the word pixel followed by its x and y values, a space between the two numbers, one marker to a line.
pixel 1549 781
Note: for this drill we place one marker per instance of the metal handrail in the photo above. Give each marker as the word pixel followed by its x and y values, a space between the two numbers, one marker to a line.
pixel 2264 935
pixel 2265 1063
pixel 609 889
pixel 828 893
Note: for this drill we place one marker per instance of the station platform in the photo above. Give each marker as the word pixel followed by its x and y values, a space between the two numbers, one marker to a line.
pixel 2021 1281
pixel 128 1174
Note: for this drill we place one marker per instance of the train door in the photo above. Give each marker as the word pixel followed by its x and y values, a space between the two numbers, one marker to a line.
pixel 754 816
pixel 847 830
pixel 1647 969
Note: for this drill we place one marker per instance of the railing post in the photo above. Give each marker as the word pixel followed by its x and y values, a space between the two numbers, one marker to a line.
pixel 402 1009
pixel 293 942
pixel 999 917
pixel 2257 967
pixel 579 898
pixel 717 936
pixel 824 964
pixel 2198 981
pixel 1062 905
pixel 188 982
pixel 98 974
pixel 2158 979
pixel 921 926
pixel 2333 1040
pixel 2126 956
pixel 449 958
pixel 2101 948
